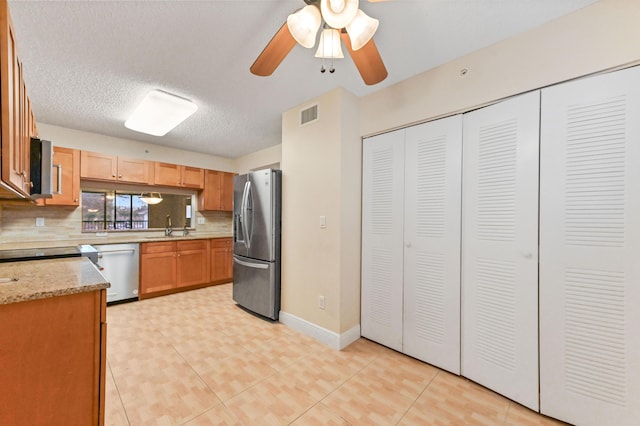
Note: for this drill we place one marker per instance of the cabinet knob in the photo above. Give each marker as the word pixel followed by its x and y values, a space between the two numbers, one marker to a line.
pixel 119 176
pixel 75 200
pixel 113 175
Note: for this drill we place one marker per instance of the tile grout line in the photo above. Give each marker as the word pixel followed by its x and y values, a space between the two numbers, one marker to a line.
pixel 118 391
pixel 418 397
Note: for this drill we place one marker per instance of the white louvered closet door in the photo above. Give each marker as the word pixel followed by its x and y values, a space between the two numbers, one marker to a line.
pixel 500 248
pixel 590 250
pixel 382 224
pixel 433 157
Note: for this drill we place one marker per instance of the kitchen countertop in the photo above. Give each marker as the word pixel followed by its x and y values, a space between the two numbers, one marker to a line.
pixel 40 279
pixel 113 238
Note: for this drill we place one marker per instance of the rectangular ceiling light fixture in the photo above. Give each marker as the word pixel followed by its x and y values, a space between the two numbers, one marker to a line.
pixel 160 112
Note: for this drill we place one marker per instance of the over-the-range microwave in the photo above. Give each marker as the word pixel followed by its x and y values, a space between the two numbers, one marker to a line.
pixel 42 169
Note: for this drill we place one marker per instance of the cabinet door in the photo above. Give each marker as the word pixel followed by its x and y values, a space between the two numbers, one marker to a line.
pixel 209 198
pixel 167 174
pixel 11 104
pixel 158 272
pixel 590 250
pixel 226 191
pixel 382 238
pixel 133 170
pixel 56 363
pixel 66 165
pixel 500 248
pixel 221 259
pixel 192 177
pixel 193 262
pixel 432 191
pixel 98 166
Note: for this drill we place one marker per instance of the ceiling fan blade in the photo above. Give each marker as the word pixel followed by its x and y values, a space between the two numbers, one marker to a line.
pixel 274 52
pixel 367 60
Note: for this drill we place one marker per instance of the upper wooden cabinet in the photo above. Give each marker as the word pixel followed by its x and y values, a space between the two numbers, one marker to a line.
pixel 66 178
pixel 218 191
pixel 96 166
pixel 17 115
pixel 167 174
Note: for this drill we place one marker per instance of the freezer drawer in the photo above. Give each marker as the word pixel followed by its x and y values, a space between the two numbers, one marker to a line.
pixel 256 286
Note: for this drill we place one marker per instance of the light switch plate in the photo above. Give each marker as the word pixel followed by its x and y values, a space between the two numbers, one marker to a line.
pixel 323 222
pixel 39 221
pixel 201 221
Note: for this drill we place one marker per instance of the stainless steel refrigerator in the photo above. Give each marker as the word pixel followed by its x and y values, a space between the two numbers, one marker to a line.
pixel 256 241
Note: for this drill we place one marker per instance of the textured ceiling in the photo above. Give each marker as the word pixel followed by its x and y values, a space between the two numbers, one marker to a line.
pixel 88 63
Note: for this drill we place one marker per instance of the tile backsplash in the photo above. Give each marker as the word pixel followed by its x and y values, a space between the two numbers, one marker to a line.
pixel 18 225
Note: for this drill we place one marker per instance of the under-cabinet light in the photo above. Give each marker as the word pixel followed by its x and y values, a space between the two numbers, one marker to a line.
pixel 160 112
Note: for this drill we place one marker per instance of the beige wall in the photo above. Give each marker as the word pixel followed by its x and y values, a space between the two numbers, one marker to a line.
pixel 321 178
pixel 269 157
pixel 599 37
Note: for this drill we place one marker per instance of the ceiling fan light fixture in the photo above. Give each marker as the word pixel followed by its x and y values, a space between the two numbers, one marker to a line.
pixel 339 13
pixel 361 29
pixel 303 25
pixel 329 46
pixel 160 112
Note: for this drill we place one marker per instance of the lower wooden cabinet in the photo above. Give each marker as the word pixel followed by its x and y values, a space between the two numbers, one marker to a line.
pixel 158 267
pixel 171 266
pixel 221 260
pixel 192 262
pixel 53 360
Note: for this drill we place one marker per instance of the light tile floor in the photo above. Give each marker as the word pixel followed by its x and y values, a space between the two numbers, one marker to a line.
pixel 195 358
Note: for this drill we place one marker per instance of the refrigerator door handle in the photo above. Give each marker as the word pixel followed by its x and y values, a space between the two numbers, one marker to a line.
pixel 251 265
pixel 246 219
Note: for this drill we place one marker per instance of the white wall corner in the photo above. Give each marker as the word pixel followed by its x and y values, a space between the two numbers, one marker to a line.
pixel 328 337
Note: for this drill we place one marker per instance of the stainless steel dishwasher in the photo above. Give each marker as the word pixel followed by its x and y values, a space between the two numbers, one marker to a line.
pixel 119 263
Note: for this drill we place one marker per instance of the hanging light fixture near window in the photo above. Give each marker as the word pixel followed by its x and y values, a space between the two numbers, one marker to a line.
pixel 151 197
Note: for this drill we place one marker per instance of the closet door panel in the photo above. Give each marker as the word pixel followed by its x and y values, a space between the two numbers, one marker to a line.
pixel 590 250
pixel 433 156
pixel 500 247
pixel 382 234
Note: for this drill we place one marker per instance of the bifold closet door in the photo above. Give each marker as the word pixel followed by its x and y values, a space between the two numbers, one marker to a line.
pixel 433 159
pixel 382 238
pixel 590 250
pixel 500 247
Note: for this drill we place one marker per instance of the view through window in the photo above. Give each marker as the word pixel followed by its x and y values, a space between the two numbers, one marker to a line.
pixel 110 210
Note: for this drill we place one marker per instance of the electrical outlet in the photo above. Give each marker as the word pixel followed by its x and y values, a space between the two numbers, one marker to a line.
pixel 321 302
pixel 39 221
pixel 201 221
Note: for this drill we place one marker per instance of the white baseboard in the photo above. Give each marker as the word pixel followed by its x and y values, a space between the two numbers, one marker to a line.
pixel 328 337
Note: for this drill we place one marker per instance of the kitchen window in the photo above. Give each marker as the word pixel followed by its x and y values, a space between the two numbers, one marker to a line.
pixel 123 210
pixel 113 210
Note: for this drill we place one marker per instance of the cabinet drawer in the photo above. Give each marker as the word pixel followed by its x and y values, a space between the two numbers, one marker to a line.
pixel 221 243
pixel 192 245
pixel 158 247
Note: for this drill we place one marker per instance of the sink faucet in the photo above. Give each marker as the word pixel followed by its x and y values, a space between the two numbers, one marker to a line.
pixel 168 231
pixel 185 231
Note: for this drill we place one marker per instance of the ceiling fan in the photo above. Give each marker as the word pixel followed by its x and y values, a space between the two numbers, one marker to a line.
pixel 343 20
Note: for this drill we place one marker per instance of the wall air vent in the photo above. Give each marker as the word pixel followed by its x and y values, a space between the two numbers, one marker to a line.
pixel 309 115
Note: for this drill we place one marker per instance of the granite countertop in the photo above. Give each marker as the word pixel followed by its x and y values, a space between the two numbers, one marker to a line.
pixel 40 279
pixel 113 238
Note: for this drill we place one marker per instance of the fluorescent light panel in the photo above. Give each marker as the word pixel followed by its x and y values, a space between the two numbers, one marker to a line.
pixel 159 112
